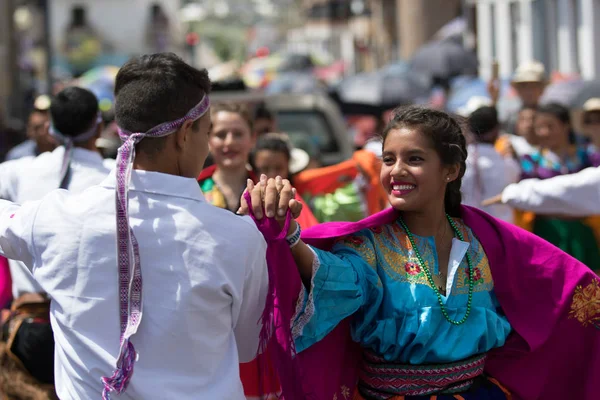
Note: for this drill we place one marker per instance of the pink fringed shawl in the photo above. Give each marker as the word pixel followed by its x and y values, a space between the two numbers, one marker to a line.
pixel 551 300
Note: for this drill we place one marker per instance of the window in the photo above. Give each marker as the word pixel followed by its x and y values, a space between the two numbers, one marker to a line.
pixel 311 125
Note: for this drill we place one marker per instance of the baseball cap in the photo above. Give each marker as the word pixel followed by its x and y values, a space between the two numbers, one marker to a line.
pixel 530 71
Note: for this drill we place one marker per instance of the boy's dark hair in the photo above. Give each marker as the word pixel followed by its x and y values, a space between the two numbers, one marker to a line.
pixel 447 138
pixel 484 120
pixel 262 112
pixel 73 111
pixel 272 142
pixel 154 89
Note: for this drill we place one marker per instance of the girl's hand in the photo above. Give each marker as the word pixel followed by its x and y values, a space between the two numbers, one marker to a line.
pixel 273 196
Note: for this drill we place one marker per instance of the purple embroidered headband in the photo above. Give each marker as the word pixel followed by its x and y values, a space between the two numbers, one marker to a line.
pixel 67 142
pixel 130 274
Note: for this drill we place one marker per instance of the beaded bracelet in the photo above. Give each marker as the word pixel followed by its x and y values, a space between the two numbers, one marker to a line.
pixel 294 238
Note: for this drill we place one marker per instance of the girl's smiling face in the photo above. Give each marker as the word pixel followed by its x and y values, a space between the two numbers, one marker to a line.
pixel 412 173
pixel 231 140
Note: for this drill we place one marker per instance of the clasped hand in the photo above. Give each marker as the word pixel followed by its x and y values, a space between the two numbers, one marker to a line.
pixel 272 197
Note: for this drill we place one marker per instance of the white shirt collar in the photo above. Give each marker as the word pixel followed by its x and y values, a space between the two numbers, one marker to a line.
pixel 159 183
pixel 81 155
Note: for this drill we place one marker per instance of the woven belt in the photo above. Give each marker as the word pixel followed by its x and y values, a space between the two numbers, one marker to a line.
pixel 380 379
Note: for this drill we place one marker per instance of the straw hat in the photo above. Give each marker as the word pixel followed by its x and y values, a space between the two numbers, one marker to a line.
pixel 530 71
pixel 592 104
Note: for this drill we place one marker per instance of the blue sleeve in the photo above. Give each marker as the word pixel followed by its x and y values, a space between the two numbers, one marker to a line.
pixel 344 281
pixel 528 167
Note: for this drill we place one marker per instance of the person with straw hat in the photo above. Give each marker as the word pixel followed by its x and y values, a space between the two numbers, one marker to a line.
pixel 155 293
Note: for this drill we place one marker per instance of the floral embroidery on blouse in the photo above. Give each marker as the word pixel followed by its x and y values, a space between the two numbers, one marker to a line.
pixel 391 251
pixel 357 243
pixel 586 304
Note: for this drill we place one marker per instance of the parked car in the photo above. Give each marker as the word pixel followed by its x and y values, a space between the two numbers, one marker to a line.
pixel 312 118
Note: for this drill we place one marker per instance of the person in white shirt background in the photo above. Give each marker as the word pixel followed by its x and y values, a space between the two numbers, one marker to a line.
pixel 75 165
pixel 204 270
pixel 574 195
pixel 38 139
pixel 74 113
pixel 487 172
pixel 524 141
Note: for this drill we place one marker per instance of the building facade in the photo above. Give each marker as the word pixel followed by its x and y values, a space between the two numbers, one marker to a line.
pixel 372 33
pixel 560 33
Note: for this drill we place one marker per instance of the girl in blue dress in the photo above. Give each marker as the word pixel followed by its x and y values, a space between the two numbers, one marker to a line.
pixel 419 290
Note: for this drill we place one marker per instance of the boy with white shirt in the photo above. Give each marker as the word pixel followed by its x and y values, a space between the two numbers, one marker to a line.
pixel 199 272
pixel 75 165
pixel 73 113
pixel 488 172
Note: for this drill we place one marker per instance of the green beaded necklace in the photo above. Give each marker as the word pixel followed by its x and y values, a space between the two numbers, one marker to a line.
pixel 430 278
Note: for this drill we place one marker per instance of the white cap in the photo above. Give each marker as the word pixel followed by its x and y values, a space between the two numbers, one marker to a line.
pixel 474 104
pixel 299 160
pixel 530 71
pixel 42 103
pixel 592 104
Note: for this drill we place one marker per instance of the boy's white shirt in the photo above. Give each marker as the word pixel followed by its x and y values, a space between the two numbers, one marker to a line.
pixel 31 178
pixel 204 285
pixel 576 195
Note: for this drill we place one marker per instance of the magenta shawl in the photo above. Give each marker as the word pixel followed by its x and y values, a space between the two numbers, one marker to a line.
pixel 551 300
pixel 5 283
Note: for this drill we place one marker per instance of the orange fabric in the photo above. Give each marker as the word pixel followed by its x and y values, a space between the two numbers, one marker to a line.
pixel 504 390
pixel 458 397
pixel 370 165
pixel 306 219
pixel 327 179
pixel 503 145
pixel 594 223
pixel 524 219
pixel 318 181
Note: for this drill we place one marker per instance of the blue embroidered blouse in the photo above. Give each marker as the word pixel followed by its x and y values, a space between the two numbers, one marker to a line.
pixel 375 276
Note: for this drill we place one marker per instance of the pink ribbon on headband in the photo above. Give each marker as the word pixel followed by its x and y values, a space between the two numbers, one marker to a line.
pixel 130 273
pixel 68 142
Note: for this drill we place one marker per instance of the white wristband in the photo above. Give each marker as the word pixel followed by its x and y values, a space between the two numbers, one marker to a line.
pixel 294 238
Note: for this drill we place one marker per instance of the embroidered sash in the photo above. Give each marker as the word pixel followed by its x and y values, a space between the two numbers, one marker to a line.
pixel 381 379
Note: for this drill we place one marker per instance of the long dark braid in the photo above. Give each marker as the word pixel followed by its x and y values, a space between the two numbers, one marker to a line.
pixel 446 133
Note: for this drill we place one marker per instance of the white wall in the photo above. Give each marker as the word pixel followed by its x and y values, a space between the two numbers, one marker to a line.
pixel 122 23
pixel 561 33
pixel 588 34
